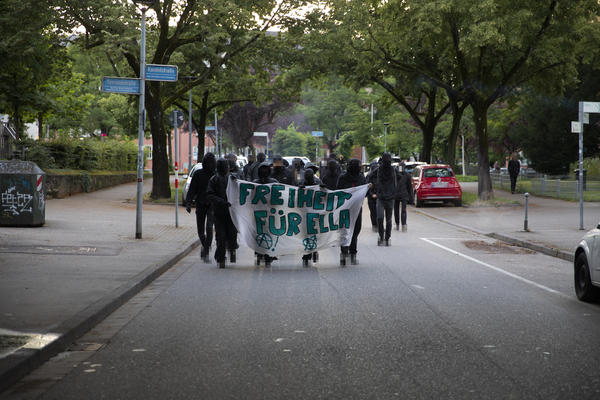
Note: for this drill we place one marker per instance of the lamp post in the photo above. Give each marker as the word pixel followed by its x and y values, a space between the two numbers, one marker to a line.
pixel 385 128
pixel 141 119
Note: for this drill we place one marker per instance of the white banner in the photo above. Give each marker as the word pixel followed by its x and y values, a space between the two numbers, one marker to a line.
pixel 278 219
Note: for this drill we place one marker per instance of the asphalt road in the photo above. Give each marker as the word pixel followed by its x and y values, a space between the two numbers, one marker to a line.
pixel 441 314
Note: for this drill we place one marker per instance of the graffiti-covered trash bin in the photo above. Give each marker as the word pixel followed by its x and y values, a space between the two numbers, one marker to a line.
pixel 22 187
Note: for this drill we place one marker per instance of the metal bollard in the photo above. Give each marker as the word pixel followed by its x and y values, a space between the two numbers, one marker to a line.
pixel 558 189
pixel 525 228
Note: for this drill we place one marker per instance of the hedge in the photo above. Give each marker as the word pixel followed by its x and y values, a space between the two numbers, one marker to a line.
pixel 88 154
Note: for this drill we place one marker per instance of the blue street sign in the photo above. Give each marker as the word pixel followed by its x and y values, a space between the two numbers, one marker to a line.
pixel 121 85
pixel 209 128
pixel 157 72
pixel 317 133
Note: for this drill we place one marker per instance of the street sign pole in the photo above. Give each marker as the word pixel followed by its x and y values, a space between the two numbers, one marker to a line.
pixel 190 133
pixel 141 120
pixel 176 178
pixel 580 165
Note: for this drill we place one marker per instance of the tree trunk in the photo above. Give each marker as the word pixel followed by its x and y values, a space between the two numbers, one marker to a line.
pixel 428 132
pixel 457 113
pixel 40 127
pixel 161 187
pixel 484 186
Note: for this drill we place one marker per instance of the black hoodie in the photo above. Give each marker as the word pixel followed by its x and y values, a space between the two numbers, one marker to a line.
pixel 197 190
pixel 352 177
pixel 216 192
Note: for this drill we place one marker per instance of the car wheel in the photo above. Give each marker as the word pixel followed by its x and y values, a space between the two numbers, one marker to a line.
pixel 458 203
pixel 583 283
pixel 418 203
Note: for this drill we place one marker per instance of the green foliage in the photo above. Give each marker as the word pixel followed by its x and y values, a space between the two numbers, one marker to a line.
pixel 290 142
pixel 590 165
pixel 88 154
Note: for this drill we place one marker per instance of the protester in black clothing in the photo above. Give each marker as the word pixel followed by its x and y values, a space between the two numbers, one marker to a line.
pixel 280 172
pixel 331 175
pixel 514 167
pixel 246 170
pixel 310 178
pixel 404 196
pixel 233 166
pixel 204 213
pixel 253 170
pixel 386 186
pixel 216 193
pixel 264 177
pixel 351 178
pixel 297 170
pixel 372 195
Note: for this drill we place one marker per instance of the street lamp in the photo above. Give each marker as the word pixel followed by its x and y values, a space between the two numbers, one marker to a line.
pixel 385 128
pixel 141 119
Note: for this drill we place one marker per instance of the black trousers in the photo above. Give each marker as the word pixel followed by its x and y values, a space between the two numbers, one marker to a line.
pixel 204 223
pixel 513 183
pixel 226 234
pixel 357 227
pixel 372 210
pixel 400 216
pixel 385 210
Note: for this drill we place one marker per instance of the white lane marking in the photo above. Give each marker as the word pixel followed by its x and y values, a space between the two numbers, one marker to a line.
pixel 500 270
pixel 418 287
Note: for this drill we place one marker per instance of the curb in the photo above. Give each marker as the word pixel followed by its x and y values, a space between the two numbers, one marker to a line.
pixel 23 361
pixel 550 251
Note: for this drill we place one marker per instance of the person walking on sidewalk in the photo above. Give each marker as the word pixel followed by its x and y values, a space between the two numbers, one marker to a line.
pixel 204 213
pixel 216 193
pixel 514 167
pixel 353 177
pixel 404 196
pixel 386 187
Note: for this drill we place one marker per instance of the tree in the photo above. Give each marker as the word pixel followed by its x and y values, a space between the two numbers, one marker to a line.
pixel 32 54
pixel 221 33
pixel 290 142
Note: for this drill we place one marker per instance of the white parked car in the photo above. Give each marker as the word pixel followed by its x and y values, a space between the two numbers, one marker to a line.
pixel 289 159
pixel 587 266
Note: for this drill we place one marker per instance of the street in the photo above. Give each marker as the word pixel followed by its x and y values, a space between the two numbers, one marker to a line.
pixel 442 313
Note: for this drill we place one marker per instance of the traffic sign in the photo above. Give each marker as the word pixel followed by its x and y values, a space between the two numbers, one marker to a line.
pixel 176 118
pixel 158 72
pixel 575 127
pixel 261 134
pixel 317 133
pixel 591 107
pixel 210 128
pixel 120 85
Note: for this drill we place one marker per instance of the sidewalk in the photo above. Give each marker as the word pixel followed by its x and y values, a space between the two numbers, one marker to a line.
pixel 553 224
pixel 59 280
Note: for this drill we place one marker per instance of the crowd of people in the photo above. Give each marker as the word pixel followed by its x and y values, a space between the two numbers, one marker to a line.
pixel 390 190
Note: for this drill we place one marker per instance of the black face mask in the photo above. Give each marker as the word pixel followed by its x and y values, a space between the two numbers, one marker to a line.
pixel 222 167
pixel 264 172
pixel 354 167
pixel 309 177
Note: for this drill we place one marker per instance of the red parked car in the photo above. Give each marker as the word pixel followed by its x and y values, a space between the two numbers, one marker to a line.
pixel 435 182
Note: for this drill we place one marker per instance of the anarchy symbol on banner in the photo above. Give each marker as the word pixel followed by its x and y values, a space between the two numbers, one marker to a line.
pixel 265 241
pixel 310 243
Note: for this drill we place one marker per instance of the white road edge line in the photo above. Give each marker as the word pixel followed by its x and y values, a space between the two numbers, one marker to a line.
pixel 500 270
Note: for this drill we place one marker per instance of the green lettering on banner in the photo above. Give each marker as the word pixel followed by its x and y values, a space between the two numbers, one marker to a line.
pixel 259 217
pixel 292 195
pixel 244 192
pixel 318 201
pixel 332 224
pixel 322 226
pixel 305 197
pixel 330 199
pixel 294 219
pixel 342 197
pixel 282 226
pixel 276 199
pixel 344 219
pixel 310 223
pixel 260 193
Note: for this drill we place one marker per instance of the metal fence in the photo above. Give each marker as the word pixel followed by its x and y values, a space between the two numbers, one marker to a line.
pixel 546 186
